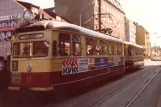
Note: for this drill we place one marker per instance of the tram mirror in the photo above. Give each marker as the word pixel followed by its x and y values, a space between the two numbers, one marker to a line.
pixel 46 43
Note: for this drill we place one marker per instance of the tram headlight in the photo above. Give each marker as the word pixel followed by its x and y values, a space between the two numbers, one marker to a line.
pixel 29 16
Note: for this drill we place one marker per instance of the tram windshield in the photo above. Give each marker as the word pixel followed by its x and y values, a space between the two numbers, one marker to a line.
pixel 31 49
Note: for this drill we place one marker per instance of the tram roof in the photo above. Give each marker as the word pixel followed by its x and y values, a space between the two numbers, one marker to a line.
pixel 133 44
pixel 48 24
pixel 82 30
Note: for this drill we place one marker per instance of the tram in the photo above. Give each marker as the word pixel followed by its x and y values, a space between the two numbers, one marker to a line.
pixel 49 55
pixel 134 56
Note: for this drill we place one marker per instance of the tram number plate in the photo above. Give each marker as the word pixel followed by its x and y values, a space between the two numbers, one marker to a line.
pixel 14 65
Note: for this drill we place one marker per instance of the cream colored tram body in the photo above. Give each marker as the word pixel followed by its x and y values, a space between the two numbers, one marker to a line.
pixel 134 56
pixel 49 55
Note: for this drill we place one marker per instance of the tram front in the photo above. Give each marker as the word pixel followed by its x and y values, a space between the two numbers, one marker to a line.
pixel 30 58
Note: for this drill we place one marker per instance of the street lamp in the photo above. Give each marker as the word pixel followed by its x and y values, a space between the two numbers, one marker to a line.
pixel 80 15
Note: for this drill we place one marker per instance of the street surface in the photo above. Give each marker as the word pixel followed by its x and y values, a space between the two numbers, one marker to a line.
pixel 141 88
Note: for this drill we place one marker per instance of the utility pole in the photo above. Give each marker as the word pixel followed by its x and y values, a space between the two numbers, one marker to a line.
pixel 99 14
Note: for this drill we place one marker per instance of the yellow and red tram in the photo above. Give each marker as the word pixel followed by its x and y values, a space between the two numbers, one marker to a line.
pixel 47 55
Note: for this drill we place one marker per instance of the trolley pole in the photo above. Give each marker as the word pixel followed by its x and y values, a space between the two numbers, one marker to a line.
pixel 99 14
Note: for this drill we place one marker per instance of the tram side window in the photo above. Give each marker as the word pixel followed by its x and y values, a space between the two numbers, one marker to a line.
pixel 131 51
pixel 64 44
pixel 76 45
pixel 142 52
pixel 90 42
pixel 99 48
pixel 55 50
pixel 104 48
pixel 119 49
pixel 115 49
pixel 137 51
pixel 16 50
pixel 134 51
pixel 111 48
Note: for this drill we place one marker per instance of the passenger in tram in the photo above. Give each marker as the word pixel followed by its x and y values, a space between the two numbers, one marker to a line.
pixel 62 50
pixel 39 52
pixel 26 52
pixel 91 51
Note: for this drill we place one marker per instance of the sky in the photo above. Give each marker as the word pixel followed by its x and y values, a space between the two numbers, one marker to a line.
pixel 42 3
pixel 145 12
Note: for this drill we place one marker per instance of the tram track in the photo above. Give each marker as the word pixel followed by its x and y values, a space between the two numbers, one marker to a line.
pixel 110 90
pixel 126 85
pixel 158 104
pixel 150 95
pixel 135 96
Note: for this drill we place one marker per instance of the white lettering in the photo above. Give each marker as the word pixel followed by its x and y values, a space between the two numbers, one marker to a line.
pixel 9 17
pixel 69 70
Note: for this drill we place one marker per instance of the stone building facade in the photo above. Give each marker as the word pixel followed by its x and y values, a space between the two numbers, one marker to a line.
pixel 10 16
pixel 112 15
pixel 130 31
pixel 143 38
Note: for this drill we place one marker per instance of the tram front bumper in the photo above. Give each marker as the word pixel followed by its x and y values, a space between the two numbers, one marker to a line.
pixel 31 88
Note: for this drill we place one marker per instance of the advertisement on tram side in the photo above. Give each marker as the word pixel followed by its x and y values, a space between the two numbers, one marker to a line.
pixel 101 62
pixel 73 66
